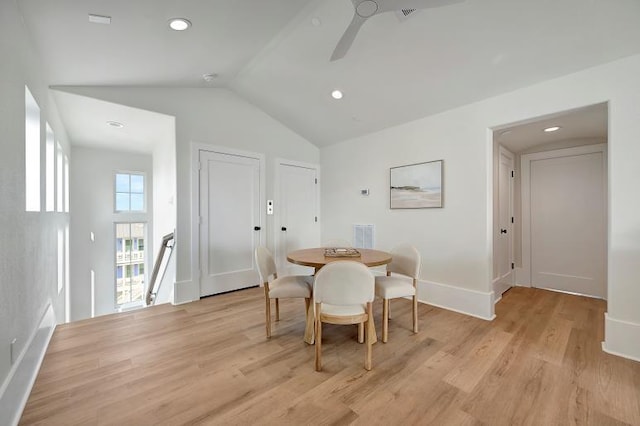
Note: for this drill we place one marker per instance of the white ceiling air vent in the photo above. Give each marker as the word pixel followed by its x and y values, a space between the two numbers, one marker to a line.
pixel 403 14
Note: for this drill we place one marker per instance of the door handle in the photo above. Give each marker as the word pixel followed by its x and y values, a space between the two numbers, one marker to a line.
pixel 503 231
pixel 284 228
pixel 256 228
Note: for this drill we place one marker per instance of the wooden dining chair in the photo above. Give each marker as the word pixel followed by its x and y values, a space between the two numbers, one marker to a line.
pixel 290 286
pixel 401 281
pixel 343 293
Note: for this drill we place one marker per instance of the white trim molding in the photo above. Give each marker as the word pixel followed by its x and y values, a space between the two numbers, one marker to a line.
pixel 462 300
pixel 186 291
pixel 621 338
pixel 499 287
pixel 16 388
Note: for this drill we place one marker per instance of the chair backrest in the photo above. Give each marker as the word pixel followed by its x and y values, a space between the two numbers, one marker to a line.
pixel 406 260
pixel 336 242
pixel 266 264
pixel 344 282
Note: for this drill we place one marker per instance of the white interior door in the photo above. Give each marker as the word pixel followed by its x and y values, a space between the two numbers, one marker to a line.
pixel 505 223
pixel 568 223
pixel 230 214
pixel 297 217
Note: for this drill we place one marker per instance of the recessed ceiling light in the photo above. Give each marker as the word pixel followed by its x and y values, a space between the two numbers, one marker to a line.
pixel 336 94
pixel 99 19
pixel 115 124
pixel 209 77
pixel 552 129
pixel 179 24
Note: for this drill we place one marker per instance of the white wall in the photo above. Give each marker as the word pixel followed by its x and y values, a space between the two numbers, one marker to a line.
pixel 92 210
pixel 28 253
pixel 456 241
pixel 164 208
pixel 210 116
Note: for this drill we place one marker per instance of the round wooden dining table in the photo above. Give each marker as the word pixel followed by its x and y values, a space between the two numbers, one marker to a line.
pixel 315 258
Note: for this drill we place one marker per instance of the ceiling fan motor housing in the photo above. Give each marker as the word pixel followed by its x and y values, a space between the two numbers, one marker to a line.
pixel 367 8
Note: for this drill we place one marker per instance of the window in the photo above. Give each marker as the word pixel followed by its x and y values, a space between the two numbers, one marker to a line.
pixel 130 278
pixel 60 177
pixel 67 275
pixel 61 261
pixel 32 152
pixel 50 172
pixel 66 184
pixel 129 192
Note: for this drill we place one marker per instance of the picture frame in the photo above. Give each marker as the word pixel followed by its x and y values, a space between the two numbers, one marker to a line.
pixel 416 186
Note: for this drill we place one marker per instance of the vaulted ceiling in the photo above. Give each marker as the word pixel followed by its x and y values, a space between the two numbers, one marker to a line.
pixel 275 53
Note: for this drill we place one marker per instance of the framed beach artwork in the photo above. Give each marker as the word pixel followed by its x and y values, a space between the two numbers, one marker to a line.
pixel 417 186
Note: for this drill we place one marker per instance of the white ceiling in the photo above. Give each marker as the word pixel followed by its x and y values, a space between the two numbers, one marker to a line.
pixel 270 53
pixel 138 48
pixel 581 124
pixel 86 123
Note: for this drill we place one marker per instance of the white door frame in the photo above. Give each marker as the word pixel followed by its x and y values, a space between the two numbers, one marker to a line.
pixel 196 148
pixel 500 285
pixel 277 197
pixel 526 196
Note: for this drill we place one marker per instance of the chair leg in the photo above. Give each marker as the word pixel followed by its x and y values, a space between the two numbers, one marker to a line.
pixel 318 338
pixel 369 334
pixel 415 313
pixel 277 309
pixel 306 304
pixel 268 313
pixel 309 327
pixel 385 320
pixel 361 332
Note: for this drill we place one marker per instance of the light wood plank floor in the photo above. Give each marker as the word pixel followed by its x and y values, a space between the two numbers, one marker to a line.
pixel 208 362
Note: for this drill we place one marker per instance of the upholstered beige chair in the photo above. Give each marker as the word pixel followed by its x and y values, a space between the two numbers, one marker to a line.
pixel 405 267
pixel 337 242
pixel 291 286
pixel 343 293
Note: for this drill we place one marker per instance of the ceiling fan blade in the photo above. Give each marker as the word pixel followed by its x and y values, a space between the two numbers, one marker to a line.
pixel 393 5
pixel 347 38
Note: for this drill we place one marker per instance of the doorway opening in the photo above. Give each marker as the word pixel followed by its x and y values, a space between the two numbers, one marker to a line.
pixel 550 211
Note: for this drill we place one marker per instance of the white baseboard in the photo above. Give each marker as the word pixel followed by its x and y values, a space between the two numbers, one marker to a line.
pixel 499 287
pixel 522 278
pixel 621 338
pixel 17 386
pixel 464 301
pixel 185 292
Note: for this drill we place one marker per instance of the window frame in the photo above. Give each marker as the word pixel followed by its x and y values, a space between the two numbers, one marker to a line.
pixel 144 191
pixel 33 140
pixel 145 258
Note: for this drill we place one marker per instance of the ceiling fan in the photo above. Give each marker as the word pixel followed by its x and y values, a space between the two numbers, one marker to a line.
pixel 365 9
